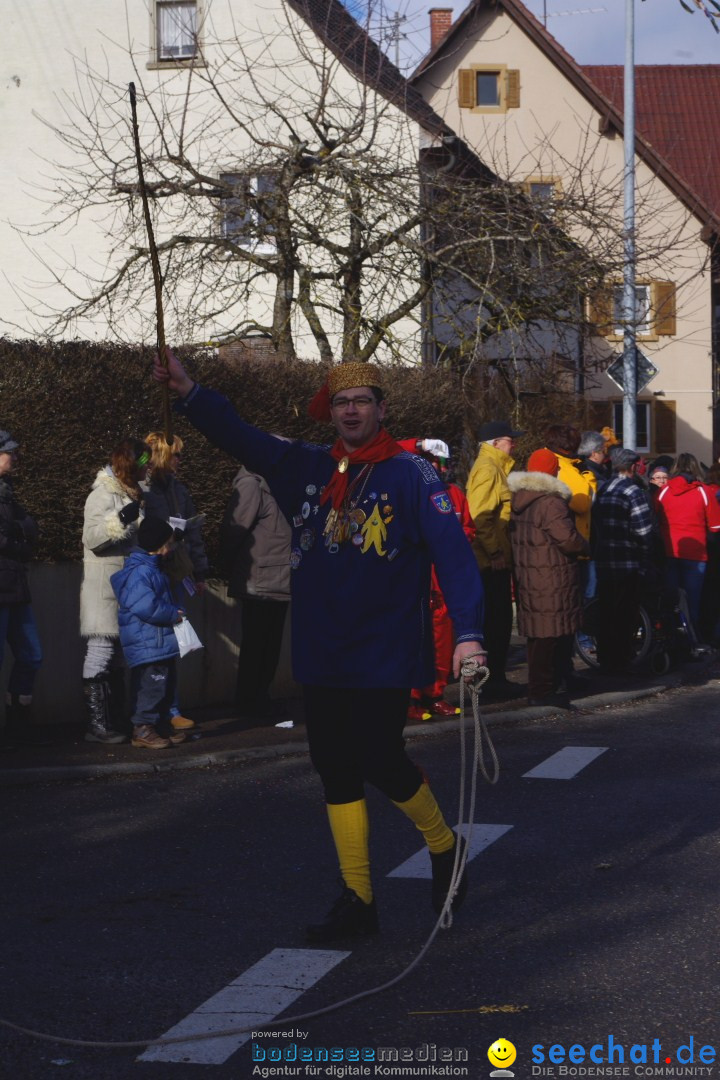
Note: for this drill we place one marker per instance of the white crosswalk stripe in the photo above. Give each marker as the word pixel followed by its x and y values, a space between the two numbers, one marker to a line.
pixel 252 1000
pixel 418 865
pixel 567 763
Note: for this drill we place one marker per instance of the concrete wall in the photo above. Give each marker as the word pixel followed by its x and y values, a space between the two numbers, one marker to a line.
pixel 205 678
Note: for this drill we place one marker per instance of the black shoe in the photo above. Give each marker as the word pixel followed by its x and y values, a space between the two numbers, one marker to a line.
pixel 442 870
pixel 556 701
pixel 348 917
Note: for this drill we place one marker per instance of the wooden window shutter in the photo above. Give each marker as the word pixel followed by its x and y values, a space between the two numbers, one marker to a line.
pixel 512 89
pixel 600 311
pixel 664 307
pixel 466 88
pixel 598 414
pixel 665 427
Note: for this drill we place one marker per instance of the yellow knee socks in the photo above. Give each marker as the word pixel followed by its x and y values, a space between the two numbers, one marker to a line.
pixel 425 812
pixel 351 832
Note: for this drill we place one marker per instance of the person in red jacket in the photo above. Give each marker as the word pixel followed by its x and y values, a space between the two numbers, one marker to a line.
pixel 429 701
pixel 687 511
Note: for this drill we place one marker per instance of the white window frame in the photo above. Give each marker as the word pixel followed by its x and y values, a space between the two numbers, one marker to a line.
pixel 617 415
pixel 187 30
pixel 247 217
pixel 643 310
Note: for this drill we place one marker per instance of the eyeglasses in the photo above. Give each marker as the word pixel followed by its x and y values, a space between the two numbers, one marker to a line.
pixel 361 402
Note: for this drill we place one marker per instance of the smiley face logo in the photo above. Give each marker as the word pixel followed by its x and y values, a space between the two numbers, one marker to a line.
pixel 502 1053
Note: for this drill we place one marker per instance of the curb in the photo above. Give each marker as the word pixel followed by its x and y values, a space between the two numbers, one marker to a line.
pixel 63 773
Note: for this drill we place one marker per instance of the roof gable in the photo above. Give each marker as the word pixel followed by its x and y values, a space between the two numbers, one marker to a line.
pixel 702 200
pixel 363 58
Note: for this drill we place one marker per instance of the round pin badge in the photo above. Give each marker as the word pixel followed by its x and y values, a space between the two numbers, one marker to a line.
pixel 334 548
pixel 357 539
pixel 295 558
pixel 310 489
pixel 305 511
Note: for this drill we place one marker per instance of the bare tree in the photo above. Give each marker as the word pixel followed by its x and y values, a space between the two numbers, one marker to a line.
pixel 301 192
pixel 291 199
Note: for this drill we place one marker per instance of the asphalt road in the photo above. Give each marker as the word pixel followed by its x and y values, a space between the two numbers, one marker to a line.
pixel 128 903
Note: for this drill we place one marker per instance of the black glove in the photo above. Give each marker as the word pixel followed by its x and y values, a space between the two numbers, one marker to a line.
pixel 129 513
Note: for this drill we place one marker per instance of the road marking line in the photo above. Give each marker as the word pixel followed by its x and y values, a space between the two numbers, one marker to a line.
pixel 567 763
pixel 418 865
pixel 252 1000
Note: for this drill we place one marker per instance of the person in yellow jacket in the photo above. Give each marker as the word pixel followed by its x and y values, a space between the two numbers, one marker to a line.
pixel 488 497
pixel 563 440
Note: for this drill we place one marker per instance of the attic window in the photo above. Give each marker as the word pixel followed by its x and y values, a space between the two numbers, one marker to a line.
pixel 486 88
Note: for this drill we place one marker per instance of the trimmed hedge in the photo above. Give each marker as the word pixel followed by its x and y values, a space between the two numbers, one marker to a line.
pixel 70 403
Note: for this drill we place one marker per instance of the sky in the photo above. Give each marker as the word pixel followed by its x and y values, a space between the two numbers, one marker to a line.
pixel 664 32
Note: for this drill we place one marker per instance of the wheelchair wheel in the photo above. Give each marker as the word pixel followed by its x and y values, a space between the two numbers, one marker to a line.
pixel 660 663
pixel 585 639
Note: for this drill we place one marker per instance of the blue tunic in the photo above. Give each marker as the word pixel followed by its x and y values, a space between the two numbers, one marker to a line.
pixel 360 608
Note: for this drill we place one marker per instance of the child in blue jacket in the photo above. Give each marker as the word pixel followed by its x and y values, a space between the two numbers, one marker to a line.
pixel 146 616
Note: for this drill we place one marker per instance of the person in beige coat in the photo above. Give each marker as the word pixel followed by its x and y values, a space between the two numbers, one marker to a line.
pixel 113 511
pixel 546 545
pixel 255 551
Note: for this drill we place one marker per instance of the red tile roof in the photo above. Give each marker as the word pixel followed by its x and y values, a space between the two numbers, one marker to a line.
pixel 692 174
pixel 678 114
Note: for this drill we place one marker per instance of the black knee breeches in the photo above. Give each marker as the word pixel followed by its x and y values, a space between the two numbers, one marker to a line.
pixel 356 736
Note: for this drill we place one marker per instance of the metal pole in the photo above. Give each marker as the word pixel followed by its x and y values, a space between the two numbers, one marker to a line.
pixel 628 305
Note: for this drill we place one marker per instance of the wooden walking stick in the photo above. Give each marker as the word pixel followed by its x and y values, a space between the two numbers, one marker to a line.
pixel 157 275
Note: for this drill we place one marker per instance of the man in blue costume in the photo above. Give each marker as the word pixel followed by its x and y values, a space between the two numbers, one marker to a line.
pixel 368 520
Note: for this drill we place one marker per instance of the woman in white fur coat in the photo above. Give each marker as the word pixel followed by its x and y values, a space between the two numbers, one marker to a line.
pixel 545 546
pixel 113 511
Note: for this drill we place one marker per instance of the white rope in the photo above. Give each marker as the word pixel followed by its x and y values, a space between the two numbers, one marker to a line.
pixel 476 675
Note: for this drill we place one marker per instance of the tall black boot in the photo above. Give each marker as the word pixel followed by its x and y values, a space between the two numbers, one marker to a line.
pixel 97 701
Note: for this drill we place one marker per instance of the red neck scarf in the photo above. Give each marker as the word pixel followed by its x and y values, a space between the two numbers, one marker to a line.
pixel 382 447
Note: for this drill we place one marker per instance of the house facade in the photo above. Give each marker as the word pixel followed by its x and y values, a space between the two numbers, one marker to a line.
pixel 243 109
pixel 556 130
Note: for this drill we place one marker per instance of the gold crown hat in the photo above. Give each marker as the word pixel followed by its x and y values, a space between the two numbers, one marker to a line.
pixel 354 373
pixel 342 377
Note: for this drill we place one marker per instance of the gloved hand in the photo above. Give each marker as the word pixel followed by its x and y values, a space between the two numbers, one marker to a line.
pixel 129 513
pixel 436 447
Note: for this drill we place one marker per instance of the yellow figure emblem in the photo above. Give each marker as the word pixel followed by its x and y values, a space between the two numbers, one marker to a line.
pixel 374 531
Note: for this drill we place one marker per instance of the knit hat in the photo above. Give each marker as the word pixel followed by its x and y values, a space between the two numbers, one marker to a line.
pixel 153 533
pixel 543 461
pixel 342 377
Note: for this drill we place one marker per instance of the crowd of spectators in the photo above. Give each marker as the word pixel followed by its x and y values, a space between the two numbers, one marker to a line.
pixel 586 520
